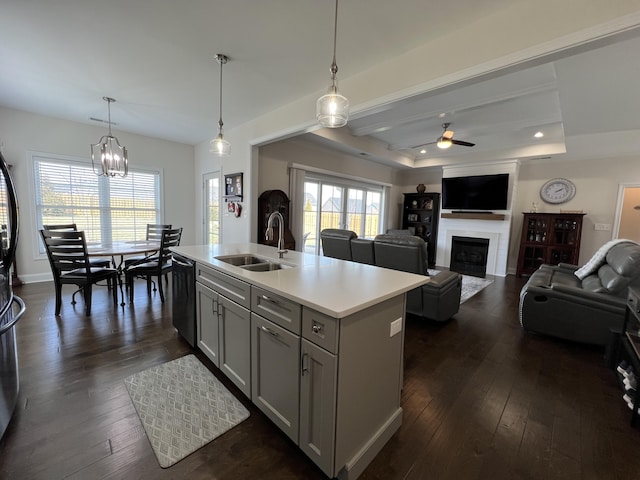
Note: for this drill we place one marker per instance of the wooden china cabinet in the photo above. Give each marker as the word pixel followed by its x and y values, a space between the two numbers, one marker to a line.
pixel 274 201
pixel 549 238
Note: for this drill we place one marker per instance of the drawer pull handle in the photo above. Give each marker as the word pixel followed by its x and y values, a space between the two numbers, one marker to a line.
pixel 269 331
pixel 315 328
pixel 269 299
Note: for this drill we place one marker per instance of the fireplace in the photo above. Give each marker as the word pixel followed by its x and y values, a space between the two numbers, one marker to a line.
pixel 469 255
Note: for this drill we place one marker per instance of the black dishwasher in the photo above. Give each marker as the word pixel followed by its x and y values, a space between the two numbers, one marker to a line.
pixel 184 297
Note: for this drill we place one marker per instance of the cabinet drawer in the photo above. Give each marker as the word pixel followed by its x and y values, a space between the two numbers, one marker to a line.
pixel 320 329
pixel 279 310
pixel 230 287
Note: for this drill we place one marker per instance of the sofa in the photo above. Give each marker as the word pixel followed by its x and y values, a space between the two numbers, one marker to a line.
pixel 582 304
pixel 437 300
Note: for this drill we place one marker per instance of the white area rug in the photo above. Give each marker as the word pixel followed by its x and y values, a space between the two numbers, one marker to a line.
pixel 182 407
pixel 470 285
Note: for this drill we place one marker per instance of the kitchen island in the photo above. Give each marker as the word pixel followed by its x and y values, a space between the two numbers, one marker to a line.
pixel 316 343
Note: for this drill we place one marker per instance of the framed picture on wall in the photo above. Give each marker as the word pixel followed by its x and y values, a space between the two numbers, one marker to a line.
pixel 233 185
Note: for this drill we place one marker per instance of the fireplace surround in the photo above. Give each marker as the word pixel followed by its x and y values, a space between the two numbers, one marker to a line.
pixel 469 255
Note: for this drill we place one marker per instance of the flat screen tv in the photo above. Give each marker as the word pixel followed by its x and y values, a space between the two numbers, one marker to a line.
pixel 477 192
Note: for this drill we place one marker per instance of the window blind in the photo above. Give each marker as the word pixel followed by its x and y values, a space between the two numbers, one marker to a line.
pixel 107 209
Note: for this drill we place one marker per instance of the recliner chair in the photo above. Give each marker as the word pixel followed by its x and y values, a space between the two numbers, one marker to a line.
pixel 582 304
pixel 336 243
pixel 439 299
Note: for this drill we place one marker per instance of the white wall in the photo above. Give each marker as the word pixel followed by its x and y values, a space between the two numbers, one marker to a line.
pixel 21 132
pixel 597 183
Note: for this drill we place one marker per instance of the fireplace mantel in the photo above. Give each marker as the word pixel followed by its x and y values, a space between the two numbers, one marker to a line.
pixel 475 216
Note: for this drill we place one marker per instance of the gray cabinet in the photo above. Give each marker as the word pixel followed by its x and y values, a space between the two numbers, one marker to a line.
pixel 207 318
pixel 332 385
pixel 275 373
pixel 224 324
pixel 234 329
pixel 318 405
pixel 275 358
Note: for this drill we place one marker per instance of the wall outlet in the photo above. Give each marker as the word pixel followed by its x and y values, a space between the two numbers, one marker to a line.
pixel 396 327
pixel 602 226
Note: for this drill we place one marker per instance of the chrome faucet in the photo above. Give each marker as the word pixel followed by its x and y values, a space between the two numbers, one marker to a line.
pixel 281 249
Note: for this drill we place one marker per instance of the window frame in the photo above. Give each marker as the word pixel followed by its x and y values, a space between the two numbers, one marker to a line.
pixel 347 184
pixel 103 192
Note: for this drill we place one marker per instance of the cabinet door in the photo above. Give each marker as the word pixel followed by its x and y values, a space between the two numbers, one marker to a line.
pixel 318 405
pixel 235 343
pixel 275 374
pixel 207 318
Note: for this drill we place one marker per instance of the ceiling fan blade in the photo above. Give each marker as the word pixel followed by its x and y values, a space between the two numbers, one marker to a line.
pixel 422 145
pixel 463 143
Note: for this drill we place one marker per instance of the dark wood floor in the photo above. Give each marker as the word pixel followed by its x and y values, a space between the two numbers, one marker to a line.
pixel 481 400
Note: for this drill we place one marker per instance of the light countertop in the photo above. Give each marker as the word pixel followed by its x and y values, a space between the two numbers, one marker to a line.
pixel 334 287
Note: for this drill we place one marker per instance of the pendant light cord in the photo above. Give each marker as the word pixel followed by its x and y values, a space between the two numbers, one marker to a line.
pixel 221 59
pixel 334 65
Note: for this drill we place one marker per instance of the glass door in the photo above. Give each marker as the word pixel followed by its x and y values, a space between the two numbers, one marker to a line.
pixel 211 196
pixel 331 205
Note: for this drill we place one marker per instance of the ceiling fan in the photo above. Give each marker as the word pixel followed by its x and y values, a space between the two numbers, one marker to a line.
pixel 446 139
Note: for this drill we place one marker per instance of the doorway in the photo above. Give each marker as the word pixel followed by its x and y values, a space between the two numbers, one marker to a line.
pixel 211 195
pixel 628 213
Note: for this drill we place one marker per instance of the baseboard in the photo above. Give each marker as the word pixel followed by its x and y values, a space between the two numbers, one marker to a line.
pixel 35 277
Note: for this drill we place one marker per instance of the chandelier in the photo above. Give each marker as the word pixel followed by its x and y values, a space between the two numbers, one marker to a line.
pixel 108 157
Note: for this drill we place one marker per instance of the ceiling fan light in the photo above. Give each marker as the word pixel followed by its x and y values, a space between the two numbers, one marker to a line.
pixel 444 143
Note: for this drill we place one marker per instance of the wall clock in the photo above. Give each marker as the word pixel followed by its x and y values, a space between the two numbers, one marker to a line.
pixel 557 190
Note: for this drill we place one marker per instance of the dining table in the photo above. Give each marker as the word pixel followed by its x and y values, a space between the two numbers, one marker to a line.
pixel 121 249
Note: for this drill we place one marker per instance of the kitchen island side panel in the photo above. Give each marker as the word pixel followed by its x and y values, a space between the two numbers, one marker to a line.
pixel 369 382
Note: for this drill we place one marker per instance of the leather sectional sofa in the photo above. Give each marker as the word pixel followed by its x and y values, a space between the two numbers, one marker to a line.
pixel 582 304
pixel 438 300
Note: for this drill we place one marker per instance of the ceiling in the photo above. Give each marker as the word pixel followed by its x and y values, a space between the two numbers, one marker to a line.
pixel 156 58
pixel 583 105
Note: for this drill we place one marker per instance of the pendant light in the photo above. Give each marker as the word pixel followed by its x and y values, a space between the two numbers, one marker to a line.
pixel 219 146
pixel 332 109
pixel 112 155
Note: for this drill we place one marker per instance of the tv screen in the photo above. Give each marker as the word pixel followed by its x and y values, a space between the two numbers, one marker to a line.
pixel 478 192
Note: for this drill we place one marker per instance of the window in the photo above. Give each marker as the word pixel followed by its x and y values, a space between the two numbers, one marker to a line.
pixel 211 196
pixel 340 203
pixel 107 209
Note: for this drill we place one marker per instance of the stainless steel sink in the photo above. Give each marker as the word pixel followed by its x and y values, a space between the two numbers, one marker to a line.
pixel 240 260
pixel 265 267
pixel 251 262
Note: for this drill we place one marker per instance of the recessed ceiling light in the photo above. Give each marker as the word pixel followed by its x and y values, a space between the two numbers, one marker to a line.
pixel 423 151
pixel 538 134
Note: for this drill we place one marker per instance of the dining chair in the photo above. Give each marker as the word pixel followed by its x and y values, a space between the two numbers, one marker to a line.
pixel 154 232
pixel 156 267
pixel 72 227
pixel 69 260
